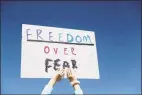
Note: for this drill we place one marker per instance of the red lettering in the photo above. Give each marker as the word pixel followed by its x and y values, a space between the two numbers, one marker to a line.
pixel 46 49
pixel 72 50
pixel 55 50
pixel 65 49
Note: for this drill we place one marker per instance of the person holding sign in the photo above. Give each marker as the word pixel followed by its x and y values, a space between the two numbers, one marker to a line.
pixel 60 73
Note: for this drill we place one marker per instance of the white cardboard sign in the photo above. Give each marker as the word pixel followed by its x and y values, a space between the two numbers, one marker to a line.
pixel 45 49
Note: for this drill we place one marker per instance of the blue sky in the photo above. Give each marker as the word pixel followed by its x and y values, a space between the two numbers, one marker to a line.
pixel 117 26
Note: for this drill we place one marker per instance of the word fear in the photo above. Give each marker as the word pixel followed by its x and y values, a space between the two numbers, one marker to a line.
pixel 57 65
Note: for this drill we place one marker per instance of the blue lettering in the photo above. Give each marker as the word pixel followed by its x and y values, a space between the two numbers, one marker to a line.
pixel 85 38
pixel 28 34
pixel 80 39
pixel 50 36
pixel 60 36
pixel 71 38
pixel 38 34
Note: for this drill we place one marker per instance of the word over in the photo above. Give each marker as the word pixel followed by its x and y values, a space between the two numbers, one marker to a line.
pixel 48 49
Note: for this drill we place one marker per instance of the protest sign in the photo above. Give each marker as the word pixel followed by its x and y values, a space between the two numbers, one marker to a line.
pixel 45 49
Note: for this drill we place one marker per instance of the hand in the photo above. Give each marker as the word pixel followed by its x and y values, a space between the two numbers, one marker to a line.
pixel 73 80
pixel 57 77
pixel 71 75
pixel 59 74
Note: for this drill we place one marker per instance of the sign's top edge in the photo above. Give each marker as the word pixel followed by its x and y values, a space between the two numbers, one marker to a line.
pixel 59 27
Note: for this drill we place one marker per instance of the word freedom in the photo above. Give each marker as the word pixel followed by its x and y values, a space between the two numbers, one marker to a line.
pixel 49 37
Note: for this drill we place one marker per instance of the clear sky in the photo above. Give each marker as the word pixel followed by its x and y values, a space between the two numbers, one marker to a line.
pixel 117 26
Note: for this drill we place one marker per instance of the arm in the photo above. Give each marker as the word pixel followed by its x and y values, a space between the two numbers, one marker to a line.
pixel 49 87
pixel 78 90
pixel 74 82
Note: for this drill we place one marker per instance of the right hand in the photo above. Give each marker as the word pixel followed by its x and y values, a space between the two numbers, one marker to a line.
pixel 71 75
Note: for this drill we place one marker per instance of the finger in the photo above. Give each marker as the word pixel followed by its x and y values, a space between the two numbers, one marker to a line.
pixel 58 69
pixel 61 70
pixel 70 72
pixel 62 73
pixel 67 71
